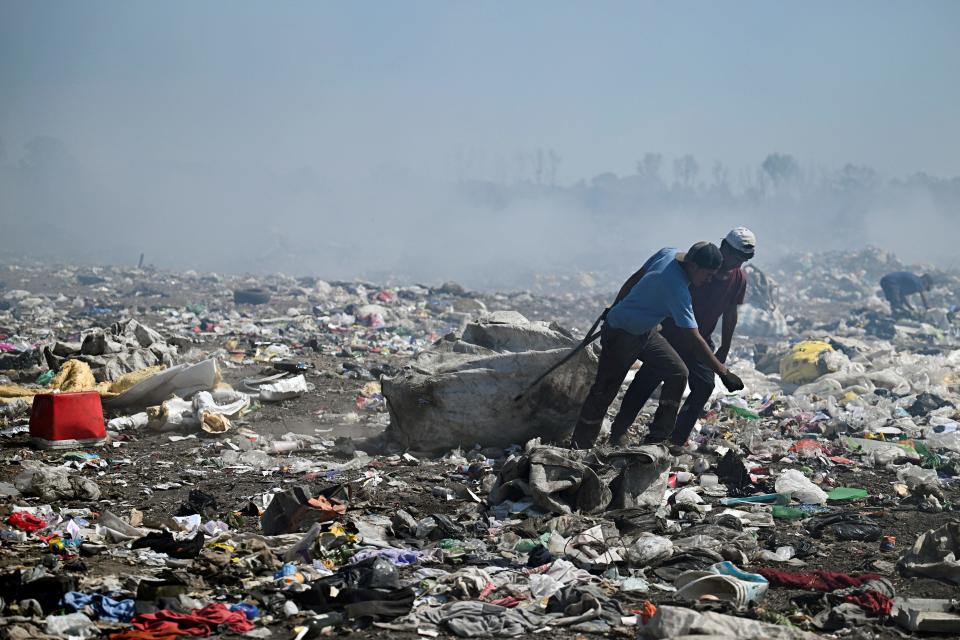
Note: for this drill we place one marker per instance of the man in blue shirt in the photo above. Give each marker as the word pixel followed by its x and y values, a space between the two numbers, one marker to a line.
pixel 900 284
pixel 630 334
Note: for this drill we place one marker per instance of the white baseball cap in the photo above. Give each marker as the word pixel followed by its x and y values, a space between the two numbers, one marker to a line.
pixel 742 240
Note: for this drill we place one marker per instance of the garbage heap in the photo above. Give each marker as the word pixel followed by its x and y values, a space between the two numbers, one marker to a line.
pixel 262 482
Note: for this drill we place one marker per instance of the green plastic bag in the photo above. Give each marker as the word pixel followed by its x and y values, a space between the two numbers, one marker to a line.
pixel 743 413
pixel 788 513
pixel 526 545
pixel 847 493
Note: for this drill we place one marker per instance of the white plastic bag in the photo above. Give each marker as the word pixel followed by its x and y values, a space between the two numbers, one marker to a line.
pixel 914 476
pixel 800 487
pixel 284 389
pixel 648 550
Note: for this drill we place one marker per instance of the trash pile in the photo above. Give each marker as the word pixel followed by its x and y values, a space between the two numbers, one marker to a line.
pixel 291 458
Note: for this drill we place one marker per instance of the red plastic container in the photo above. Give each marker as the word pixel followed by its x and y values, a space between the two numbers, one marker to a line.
pixel 67 420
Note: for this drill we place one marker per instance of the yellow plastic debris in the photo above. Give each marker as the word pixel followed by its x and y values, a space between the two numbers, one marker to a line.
pixel 75 375
pixel 801 365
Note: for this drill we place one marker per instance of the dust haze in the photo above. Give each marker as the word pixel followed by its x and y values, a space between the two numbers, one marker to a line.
pixel 246 139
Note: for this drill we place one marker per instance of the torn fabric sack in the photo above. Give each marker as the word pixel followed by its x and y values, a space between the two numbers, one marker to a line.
pixel 460 392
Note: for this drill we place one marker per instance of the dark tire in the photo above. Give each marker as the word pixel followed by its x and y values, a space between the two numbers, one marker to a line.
pixel 251 296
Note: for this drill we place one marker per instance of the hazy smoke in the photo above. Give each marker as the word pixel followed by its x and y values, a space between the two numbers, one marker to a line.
pixel 396 225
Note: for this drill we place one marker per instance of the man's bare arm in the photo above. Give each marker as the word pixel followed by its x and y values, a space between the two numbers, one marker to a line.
pixel 730 318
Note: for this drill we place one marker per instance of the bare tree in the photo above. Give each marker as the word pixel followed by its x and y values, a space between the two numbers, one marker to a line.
pixel 721 176
pixel 555 161
pixel 685 170
pixel 649 166
pixel 779 168
pixel 538 166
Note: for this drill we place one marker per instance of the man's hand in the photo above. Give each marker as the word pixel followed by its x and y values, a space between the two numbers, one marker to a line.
pixel 722 352
pixel 731 381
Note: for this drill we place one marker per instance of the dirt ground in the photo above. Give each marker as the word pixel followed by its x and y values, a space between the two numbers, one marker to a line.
pixel 140 461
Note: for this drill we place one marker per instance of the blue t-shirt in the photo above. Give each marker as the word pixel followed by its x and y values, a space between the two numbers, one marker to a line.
pixel 908 283
pixel 663 291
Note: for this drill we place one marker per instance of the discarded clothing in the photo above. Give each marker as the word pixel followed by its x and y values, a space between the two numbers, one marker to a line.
pixel 399 557
pixel 816 580
pixel 105 607
pixel 472 619
pixel 201 622
pixel 873 602
pixel 576 600
pixel 369 589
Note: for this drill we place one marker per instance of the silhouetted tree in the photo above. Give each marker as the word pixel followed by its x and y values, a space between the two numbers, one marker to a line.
pixel 649 166
pixel 685 170
pixel 780 169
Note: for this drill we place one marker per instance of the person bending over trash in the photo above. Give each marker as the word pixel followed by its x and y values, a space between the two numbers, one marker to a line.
pixel 661 289
pixel 715 299
pixel 897 286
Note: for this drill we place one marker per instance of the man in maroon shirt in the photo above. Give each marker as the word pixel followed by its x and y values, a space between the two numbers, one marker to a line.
pixel 716 299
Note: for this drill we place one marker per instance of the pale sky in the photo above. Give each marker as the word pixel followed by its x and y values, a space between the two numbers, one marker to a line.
pixel 345 87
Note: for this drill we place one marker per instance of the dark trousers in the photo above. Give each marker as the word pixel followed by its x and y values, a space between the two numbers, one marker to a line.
pixel 618 351
pixel 898 301
pixel 701 380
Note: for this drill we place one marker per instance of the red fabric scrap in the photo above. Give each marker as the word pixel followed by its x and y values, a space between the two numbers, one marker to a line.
pixel 873 602
pixel 487 590
pixel 816 580
pixel 26 521
pixel 509 601
pixel 808 444
pixel 201 622
pixel 331 508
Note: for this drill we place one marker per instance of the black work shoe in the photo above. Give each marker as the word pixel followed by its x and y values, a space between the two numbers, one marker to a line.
pixel 676 450
pixel 619 441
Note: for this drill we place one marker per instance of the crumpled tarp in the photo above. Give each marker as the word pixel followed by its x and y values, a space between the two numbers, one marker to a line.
pixel 51 483
pixel 126 347
pixel 644 472
pixel 565 481
pixel 461 391
pixel 935 554
pixel 556 479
